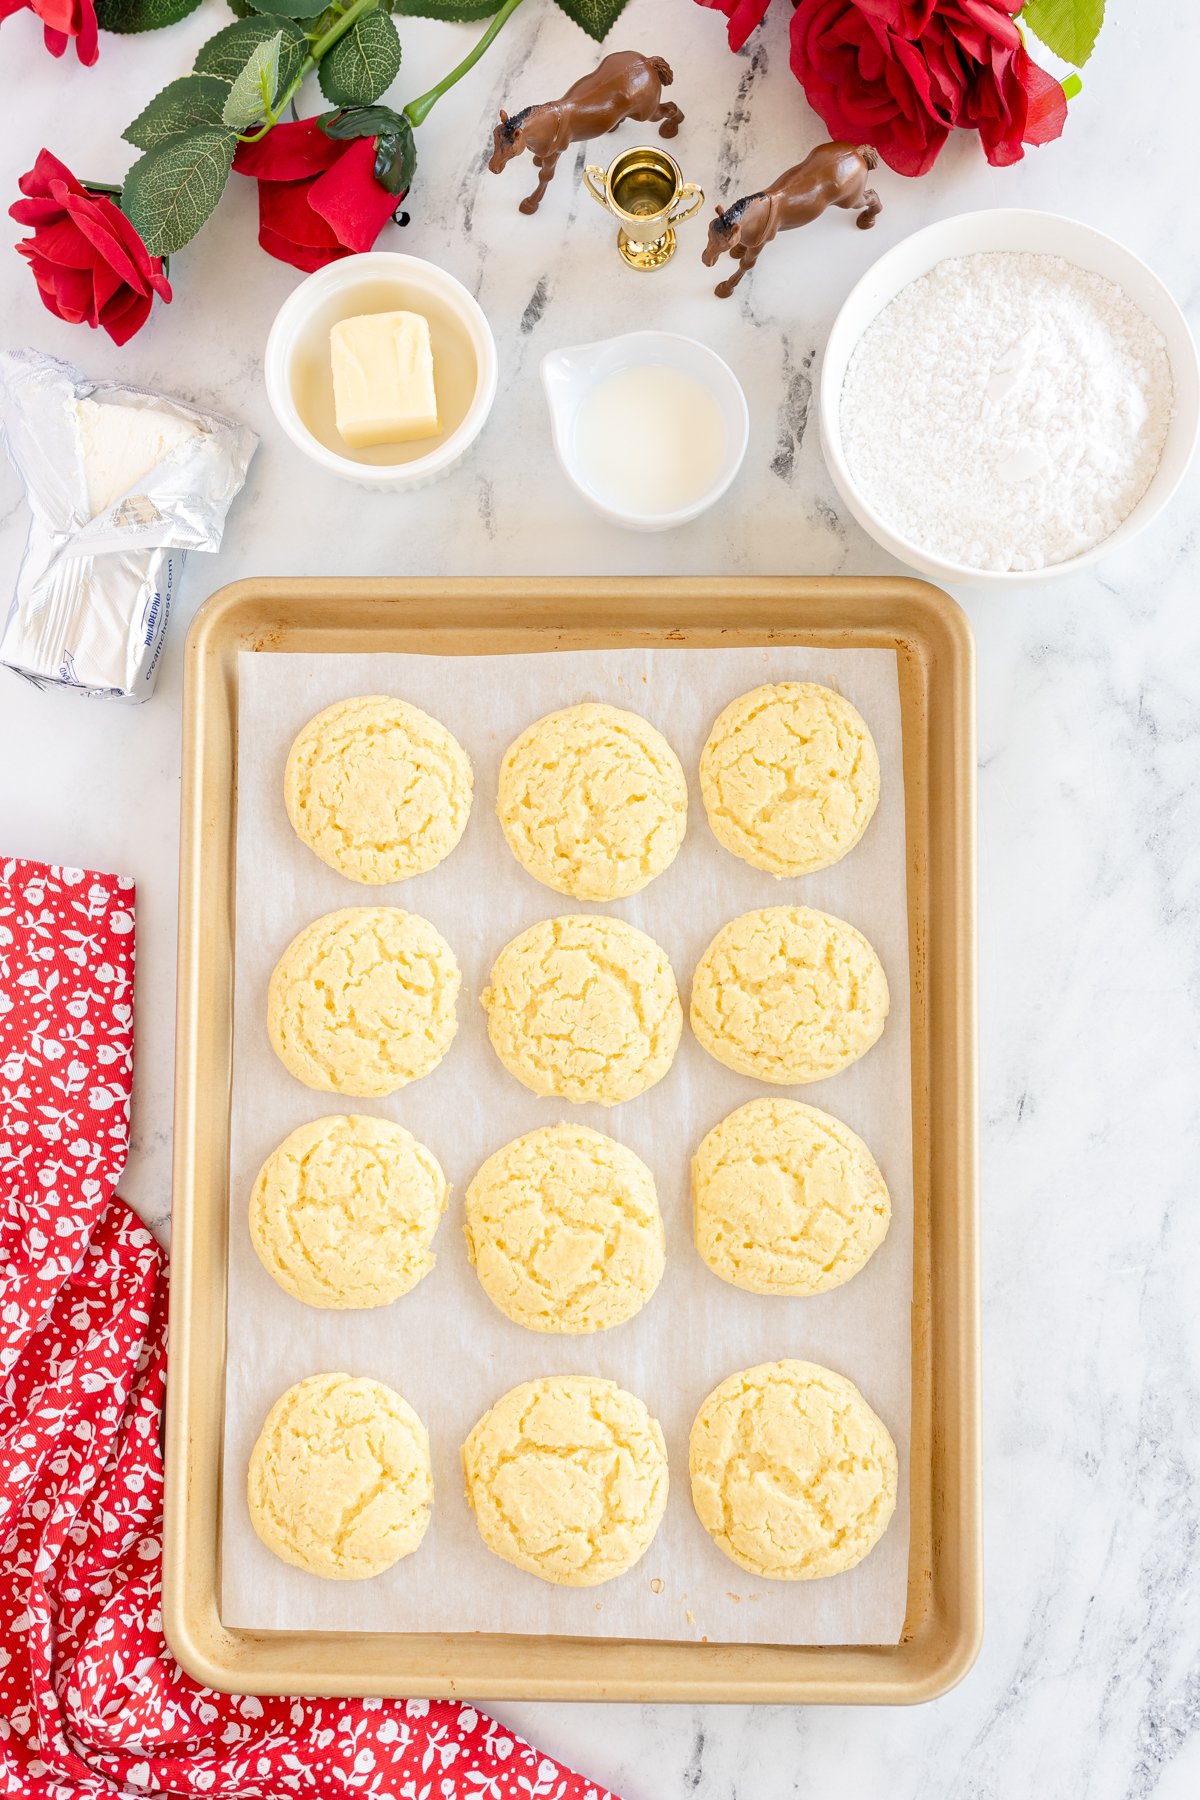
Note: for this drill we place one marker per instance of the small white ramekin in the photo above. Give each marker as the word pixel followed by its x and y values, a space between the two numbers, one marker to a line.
pixel 568 375
pixel 1045 234
pixel 408 281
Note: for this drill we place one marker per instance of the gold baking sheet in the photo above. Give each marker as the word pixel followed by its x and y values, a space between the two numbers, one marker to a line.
pixel 443 617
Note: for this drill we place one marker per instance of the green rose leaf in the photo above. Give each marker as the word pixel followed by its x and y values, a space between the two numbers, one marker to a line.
pixel 172 189
pixel 458 11
pixel 227 54
pixel 289 9
pixel 596 17
pixel 396 159
pixel 142 15
pixel 360 66
pixel 250 97
pixel 1068 27
pixel 360 121
pixel 241 8
pixel 191 100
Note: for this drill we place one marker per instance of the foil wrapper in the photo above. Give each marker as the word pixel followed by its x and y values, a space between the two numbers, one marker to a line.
pixel 94 589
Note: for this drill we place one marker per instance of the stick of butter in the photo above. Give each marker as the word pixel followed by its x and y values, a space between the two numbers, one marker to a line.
pixel 383 390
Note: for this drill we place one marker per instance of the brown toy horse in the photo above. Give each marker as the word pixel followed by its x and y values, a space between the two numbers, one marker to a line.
pixel 831 175
pixel 626 85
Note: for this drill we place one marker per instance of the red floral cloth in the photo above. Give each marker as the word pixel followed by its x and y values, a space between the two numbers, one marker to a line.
pixel 91 1701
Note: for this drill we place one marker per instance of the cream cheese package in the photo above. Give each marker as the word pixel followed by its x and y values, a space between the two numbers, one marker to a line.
pixel 121 483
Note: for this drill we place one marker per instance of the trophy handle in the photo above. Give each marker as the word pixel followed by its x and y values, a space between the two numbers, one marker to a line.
pixel 688 191
pixel 593 181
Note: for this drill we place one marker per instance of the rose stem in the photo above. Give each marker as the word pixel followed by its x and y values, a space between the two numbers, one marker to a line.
pixel 418 110
pixel 317 50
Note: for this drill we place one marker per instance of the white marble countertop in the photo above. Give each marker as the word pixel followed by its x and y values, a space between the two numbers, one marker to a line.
pixel 1089 742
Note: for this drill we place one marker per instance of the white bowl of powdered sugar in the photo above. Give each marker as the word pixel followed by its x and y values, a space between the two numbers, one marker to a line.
pixel 1006 396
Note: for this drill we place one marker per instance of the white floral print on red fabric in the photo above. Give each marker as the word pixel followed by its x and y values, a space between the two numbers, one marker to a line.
pixel 91 1701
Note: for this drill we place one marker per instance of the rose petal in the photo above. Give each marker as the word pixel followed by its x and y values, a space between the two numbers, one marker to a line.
pixel 62 243
pixel 92 216
pixel 299 256
pixel 349 197
pixel 122 318
pixel 289 152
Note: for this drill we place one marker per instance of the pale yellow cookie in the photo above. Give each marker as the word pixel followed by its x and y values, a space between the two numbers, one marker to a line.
pixel 339 1480
pixel 564 1230
pixel 788 994
pixel 792 1474
pixel 789 777
pixel 377 788
pixel 593 802
pixel 786 1199
pixel 585 1009
pixel 362 1001
pixel 567 1477
pixel 343 1213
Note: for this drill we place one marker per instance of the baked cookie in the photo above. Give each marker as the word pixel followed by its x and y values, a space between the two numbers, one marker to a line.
pixel 793 1476
pixel 788 994
pixel 593 802
pixel 786 1199
pixel 789 777
pixel 567 1477
pixel 362 1001
pixel 343 1213
pixel 339 1480
pixel 585 1009
pixel 564 1231
pixel 377 788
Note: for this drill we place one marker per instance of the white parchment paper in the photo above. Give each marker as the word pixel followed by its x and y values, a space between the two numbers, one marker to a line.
pixel 444 1346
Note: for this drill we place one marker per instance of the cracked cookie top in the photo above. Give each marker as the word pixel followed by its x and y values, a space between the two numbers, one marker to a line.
pixel 789 777
pixel 793 1475
pixel 362 1001
pixel 593 802
pixel 344 1212
pixel 339 1481
pixel 377 788
pixel 788 994
pixel 584 1009
pixel 567 1478
pixel 786 1199
pixel 564 1231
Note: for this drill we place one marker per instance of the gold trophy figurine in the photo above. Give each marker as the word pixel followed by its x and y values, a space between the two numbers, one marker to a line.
pixel 642 189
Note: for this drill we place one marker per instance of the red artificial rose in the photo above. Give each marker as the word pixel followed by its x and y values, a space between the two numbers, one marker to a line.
pixel 744 17
pixel 900 74
pixel 318 198
pixel 88 261
pixel 62 21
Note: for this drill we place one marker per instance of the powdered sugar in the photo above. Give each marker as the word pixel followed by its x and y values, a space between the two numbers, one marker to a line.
pixel 1006 410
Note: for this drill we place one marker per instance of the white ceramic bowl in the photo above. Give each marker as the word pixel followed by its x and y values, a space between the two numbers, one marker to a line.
pixel 300 383
pixel 1045 234
pixel 568 375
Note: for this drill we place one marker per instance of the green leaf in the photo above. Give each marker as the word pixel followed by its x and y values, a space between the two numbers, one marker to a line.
pixel 458 11
pixel 360 121
pixel 142 15
pixel 1068 27
pixel 251 95
pixel 396 159
pixel 227 54
pixel 241 8
pixel 172 189
pixel 290 9
pixel 596 17
pixel 191 100
pixel 360 66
